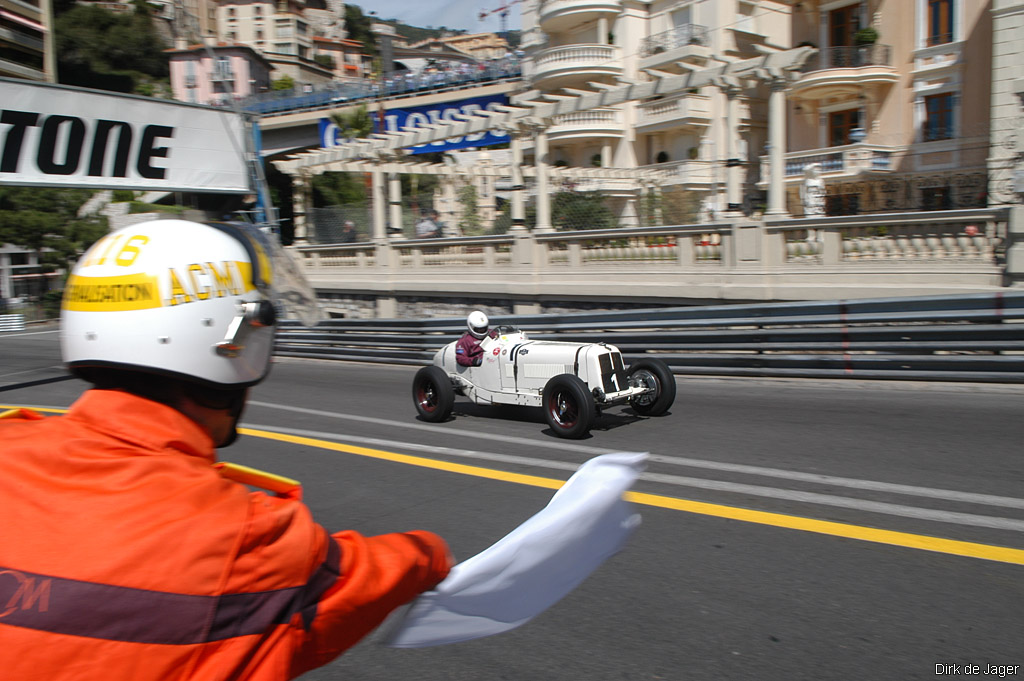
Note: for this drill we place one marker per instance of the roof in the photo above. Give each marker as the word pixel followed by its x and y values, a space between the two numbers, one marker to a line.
pixel 222 47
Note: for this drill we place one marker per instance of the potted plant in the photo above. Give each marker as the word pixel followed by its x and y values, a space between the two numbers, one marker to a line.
pixel 865 36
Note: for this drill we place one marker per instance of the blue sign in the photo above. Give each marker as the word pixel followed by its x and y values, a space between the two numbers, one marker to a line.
pixel 417 116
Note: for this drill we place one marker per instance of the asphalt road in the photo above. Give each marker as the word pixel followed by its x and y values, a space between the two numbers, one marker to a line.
pixel 791 529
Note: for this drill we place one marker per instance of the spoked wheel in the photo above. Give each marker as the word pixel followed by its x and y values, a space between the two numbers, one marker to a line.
pixel 568 406
pixel 433 394
pixel 654 375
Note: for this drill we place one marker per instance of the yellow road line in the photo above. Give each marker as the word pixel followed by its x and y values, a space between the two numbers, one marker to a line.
pixel 903 539
pixel 869 534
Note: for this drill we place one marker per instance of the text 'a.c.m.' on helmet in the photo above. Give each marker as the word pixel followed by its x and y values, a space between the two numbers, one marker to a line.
pixel 175 298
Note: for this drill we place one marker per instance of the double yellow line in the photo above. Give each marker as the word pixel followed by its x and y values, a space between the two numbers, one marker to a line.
pixel 904 539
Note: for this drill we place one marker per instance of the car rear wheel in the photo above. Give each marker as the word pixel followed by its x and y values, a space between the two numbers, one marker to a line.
pixel 568 406
pixel 657 377
pixel 433 394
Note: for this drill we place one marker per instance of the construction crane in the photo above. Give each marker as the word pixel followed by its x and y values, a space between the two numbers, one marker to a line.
pixel 502 14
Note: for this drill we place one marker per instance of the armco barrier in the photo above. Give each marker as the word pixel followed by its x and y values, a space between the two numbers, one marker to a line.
pixel 972 337
pixel 12 322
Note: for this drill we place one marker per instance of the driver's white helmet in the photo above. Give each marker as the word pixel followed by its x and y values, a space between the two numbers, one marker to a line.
pixel 176 298
pixel 477 323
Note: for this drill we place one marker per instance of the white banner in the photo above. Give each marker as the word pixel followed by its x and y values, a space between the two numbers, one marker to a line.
pixel 53 135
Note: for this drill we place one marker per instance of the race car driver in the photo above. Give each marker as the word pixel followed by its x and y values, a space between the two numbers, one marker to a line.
pixel 468 352
pixel 126 554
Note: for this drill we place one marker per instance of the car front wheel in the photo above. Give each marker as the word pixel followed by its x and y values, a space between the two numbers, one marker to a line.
pixel 654 375
pixel 568 406
pixel 433 394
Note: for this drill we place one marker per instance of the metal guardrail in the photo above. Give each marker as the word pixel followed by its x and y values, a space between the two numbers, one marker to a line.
pixel 972 337
pixel 12 322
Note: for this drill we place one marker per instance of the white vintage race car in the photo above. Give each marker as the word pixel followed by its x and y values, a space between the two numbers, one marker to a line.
pixel 572 382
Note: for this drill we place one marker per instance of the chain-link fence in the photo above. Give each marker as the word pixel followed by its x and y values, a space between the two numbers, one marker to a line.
pixel 478 204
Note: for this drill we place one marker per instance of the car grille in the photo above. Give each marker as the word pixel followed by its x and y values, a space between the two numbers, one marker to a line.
pixel 613 373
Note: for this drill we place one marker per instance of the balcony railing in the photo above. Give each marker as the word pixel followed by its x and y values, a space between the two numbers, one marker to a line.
pixel 681 172
pixel 847 159
pixel 687 34
pixel 591 122
pixel 578 60
pixel 574 10
pixel 850 57
pixel 694 109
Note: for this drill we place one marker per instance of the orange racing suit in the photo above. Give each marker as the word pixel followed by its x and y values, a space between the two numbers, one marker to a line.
pixel 124 555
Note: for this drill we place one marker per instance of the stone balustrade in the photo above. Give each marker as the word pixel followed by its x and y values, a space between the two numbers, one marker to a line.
pixel 792 259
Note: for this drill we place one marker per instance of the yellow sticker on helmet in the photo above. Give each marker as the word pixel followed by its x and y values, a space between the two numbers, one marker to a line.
pixel 104 294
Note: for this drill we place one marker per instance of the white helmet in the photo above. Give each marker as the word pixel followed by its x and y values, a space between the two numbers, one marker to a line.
pixel 477 323
pixel 177 298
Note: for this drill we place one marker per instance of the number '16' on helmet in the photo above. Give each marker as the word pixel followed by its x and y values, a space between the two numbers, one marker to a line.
pixel 175 298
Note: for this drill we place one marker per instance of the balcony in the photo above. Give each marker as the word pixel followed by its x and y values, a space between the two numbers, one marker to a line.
pixel 845 70
pixel 839 162
pixel 582 124
pixel 687 43
pixel 692 174
pixel 556 16
pixel 679 112
pixel 567 64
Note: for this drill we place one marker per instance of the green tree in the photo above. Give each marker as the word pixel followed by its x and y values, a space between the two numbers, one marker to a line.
pixel 283 83
pixel 46 221
pixel 99 49
pixel 580 210
pixel 470 221
pixel 353 123
pixel 358 26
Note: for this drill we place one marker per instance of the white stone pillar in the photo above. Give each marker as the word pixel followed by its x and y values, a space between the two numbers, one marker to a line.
pixel 733 166
pixel 777 148
pixel 394 201
pixel 300 207
pixel 606 155
pixel 602 30
pixel 377 198
pixel 540 150
pixel 518 188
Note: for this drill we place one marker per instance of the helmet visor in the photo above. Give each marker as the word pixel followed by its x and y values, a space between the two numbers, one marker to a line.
pixel 275 273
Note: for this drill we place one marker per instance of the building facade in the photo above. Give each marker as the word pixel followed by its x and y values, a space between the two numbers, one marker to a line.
pixel 26 40
pixel 893 111
pixel 217 75
pixel 284 32
pixel 1006 154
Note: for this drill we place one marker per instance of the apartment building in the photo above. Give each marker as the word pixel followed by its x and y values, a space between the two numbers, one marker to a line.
pixel 481 46
pixel 26 40
pixel 893 108
pixel 1006 152
pixel 283 33
pixel 217 75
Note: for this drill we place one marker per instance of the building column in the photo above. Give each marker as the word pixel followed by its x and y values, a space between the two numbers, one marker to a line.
pixel 602 30
pixel 377 198
pixel 518 187
pixel 540 150
pixel 300 207
pixel 394 201
pixel 733 165
pixel 606 155
pixel 777 148
pixel 449 206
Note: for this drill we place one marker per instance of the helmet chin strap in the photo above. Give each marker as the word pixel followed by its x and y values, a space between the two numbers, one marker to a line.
pixel 235 411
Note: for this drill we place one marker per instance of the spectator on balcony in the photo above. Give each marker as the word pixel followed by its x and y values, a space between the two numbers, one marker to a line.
pixel 426 228
pixel 348 232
